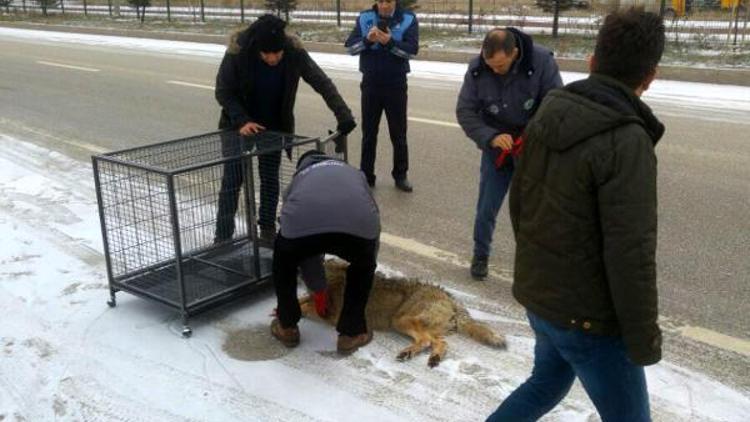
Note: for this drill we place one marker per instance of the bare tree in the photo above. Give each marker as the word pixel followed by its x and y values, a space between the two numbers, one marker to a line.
pixel 46 5
pixel 557 6
pixel 140 8
pixel 282 6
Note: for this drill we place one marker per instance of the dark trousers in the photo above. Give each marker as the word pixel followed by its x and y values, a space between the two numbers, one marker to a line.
pixel 231 185
pixel 616 386
pixel 493 185
pixel 376 99
pixel 362 257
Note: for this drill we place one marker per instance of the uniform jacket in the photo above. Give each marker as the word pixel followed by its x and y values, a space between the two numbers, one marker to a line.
pixel 490 104
pixel 385 64
pixel 583 208
pixel 234 82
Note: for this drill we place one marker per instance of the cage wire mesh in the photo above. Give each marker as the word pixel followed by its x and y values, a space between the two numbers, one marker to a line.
pixel 179 218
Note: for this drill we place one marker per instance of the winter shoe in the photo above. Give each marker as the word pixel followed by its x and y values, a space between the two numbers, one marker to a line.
pixel 479 267
pixel 404 185
pixel 289 337
pixel 346 345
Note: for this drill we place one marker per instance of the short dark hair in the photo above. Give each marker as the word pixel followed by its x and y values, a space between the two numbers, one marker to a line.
pixel 498 39
pixel 629 46
pixel 311 153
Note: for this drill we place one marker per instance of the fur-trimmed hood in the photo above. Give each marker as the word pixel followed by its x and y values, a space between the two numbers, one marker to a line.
pixel 243 39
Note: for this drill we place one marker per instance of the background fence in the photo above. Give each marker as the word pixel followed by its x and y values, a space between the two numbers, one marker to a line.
pixel 686 19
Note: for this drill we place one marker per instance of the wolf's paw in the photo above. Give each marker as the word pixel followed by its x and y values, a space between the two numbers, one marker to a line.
pixel 405 355
pixel 434 361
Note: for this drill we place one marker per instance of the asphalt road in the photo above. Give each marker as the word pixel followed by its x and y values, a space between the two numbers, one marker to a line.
pixel 113 99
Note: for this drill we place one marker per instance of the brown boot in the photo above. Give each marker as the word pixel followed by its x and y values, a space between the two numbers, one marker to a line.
pixel 346 345
pixel 289 337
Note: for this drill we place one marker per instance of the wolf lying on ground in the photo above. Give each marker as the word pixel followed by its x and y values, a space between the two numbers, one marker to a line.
pixel 424 312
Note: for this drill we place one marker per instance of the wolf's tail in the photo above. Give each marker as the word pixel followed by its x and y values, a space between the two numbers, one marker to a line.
pixel 479 331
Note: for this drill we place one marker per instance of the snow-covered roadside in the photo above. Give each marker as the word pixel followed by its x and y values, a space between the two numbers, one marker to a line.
pixel 64 355
pixel 726 97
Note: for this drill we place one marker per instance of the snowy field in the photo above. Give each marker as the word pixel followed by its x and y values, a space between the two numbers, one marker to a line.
pixel 66 356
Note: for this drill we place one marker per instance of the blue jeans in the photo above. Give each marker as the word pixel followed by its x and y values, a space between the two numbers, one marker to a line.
pixel 493 185
pixel 615 385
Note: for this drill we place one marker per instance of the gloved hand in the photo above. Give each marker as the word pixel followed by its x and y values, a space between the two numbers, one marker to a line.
pixel 321 302
pixel 340 142
pixel 346 127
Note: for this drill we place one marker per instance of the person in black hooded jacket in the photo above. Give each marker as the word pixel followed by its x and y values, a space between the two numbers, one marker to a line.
pixel 256 87
pixel 583 208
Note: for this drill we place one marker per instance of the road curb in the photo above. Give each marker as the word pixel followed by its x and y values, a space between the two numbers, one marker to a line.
pixel 726 76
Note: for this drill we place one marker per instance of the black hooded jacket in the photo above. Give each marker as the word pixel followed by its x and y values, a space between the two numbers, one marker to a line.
pixel 583 207
pixel 234 82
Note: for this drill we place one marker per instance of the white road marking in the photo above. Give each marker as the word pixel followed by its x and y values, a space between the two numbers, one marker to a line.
pixel 427 251
pixel 192 85
pixel 434 122
pixel 68 66
pixel 94 149
pixel 716 339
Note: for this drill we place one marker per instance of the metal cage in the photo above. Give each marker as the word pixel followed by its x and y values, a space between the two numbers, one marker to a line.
pixel 179 219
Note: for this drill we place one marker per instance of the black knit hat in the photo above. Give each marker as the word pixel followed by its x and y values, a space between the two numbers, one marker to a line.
pixel 269 34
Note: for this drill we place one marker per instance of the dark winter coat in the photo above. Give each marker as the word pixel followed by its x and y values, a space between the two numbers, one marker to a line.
pixel 385 64
pixel 583 207
pixel 234 82
pixel 490 104
pixel 327 195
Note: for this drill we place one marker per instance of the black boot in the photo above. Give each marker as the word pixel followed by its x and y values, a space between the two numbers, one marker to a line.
pixel 404 185
pixel 479 267
pixel 267 236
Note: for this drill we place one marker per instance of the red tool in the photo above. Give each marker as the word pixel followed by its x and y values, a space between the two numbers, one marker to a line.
pixel 321 302
pixel 515 151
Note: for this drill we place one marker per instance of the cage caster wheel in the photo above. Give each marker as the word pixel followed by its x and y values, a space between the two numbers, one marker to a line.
pixel 111 303
pixel 186 332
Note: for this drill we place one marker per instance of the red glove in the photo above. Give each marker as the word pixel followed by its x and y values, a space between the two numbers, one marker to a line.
pixel 515 152
pixel 321 302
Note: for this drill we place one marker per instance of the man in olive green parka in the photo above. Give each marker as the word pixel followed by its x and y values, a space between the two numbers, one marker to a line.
pixel 583 208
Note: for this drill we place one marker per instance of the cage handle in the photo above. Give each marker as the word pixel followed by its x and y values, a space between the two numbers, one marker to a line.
pixel 331 136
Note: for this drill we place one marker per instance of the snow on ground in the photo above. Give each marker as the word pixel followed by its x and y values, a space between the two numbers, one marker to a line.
pixel 65 355
pixel 730 100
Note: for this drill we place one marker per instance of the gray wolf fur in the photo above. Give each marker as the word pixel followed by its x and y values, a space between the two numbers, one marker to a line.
pixel 422 311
